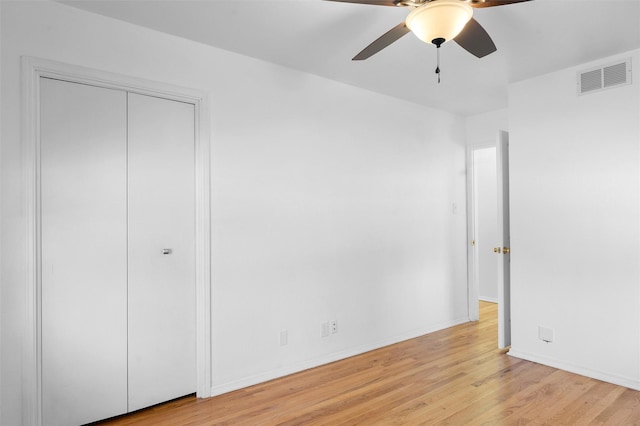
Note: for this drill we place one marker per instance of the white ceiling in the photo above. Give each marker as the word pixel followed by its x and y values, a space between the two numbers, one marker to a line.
pixel 320 37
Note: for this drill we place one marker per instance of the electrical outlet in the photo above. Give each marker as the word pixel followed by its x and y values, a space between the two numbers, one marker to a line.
pixel 284 338
pixel 334 326
pixel 325 329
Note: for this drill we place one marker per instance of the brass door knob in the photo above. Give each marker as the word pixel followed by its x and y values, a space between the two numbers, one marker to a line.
pixel 506 250
pixel 496 249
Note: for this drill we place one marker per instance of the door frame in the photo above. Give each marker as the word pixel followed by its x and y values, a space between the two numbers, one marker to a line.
pixel 473 279
pixel 32 70
pixel 473 284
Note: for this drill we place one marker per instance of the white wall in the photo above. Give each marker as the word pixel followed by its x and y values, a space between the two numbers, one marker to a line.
pixel 575 232
pixel 483 128
pixel 324 206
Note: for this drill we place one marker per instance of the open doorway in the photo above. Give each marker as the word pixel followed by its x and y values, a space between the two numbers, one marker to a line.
pixel 489 254
pixel 486 221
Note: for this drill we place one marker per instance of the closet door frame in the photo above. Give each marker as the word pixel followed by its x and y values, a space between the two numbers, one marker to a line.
pixel 33 69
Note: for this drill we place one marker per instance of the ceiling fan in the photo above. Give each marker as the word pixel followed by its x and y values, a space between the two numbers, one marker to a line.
pixel 436 21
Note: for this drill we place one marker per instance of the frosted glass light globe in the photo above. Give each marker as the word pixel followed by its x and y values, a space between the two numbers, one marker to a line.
pixel 439 19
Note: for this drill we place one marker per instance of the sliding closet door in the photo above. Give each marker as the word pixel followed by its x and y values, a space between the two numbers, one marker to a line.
pixel 162 335
pixel 83 252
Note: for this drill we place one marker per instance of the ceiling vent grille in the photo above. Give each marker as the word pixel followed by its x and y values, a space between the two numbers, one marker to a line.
pixel 604 77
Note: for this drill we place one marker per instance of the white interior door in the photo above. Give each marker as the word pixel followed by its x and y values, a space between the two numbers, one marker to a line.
pixel 162 301
pixel 83 233
pixel 504 252
pixel 117 241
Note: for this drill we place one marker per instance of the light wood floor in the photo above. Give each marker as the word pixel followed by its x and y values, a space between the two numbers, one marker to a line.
pixel 451 377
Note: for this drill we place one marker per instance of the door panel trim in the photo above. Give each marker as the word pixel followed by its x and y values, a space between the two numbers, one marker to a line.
pixel 32 70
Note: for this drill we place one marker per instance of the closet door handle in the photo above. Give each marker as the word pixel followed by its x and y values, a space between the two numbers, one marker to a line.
pixel 167 251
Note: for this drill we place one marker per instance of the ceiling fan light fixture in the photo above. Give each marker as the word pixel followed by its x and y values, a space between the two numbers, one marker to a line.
pixel 439 19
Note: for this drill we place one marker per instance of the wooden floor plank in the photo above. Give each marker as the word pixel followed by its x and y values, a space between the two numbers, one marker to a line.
pixel 455 376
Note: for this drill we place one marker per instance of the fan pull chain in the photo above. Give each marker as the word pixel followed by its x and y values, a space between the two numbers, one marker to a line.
pixel 438 42
pixel 438 64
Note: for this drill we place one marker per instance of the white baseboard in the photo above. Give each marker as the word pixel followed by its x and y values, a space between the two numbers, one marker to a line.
pixel 222 388
pixel 572 368
pixel 488 299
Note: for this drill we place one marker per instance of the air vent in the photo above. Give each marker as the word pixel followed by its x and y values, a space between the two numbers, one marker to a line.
pixel 591 80
pixel 604 77
pixel 615 74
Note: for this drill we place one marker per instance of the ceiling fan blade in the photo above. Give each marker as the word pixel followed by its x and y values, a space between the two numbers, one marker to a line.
pixel 491 3
pixel 383 41
pixel 373 2
pixel 475 40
